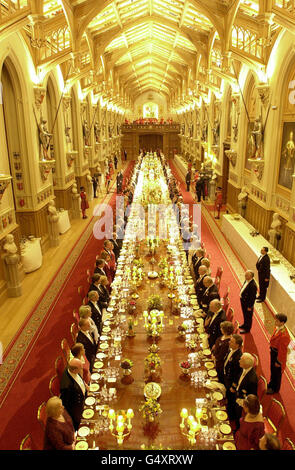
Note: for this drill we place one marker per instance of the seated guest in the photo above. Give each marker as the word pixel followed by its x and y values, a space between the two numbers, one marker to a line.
pixel 78 352
pixel 59 430
pixel 247 384
pixel 99 267
pixel 73 391
pixel 221 348
pixel 232 371
pixel 210 293
pixel 197 260
pixel 269 442
pixel 86 312
pixel 251 428
pixel 87 339
pixel 107 267
pixel 199 286
pixel 206 262
pixel 104 296
pixel 96 312
pixel 216 315
pixel 94 282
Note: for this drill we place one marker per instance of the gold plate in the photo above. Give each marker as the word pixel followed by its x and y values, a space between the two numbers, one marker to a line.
pixel 221 415
pixel 212 373
pixel 84 431
pixel 152 390
pixel 217 396
pixel 81 445
pixel 90 401
pixel 104 338
pixel 87 414
pixel 171 296
pixel 134 296
pixel 229 446
pixel 104 346
pixel 207 352
pixel 93 387
pixel 225 428
pixel 209 365
pixel 98 365
pixel 95 376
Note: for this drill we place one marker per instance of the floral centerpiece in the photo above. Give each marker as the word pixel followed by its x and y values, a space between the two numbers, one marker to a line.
pixel 192 345
pixel 185 367
pixel 127 365
pixel 181 330
pixel 130 332
pixel 155 302
pixel 150 409
pixel 152 361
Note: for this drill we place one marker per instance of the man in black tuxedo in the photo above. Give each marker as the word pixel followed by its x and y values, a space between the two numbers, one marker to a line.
pixel 263 268
pixel 96 313
pixel 119 182
pixel 210 293
pixel 87 339
pixel 199 285
pixel 247 297
pixel 188 180
pixel 232 371
pixel 247 384
pixel 73 392
pixel 117 246
pixel 99 263
pixel 197 260
pixel 104 295
pixel 216 315
pixel 94 282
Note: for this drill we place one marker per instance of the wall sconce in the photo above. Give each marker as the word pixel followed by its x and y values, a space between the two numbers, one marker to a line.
pixel 120 424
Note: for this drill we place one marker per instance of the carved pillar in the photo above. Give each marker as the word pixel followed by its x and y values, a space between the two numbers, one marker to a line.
pixel 12 278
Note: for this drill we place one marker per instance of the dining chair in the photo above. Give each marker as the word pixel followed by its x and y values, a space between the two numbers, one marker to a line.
pixel 261 388
pixel 66 349
pixel 74 331
pixel 54 386
pixel 288 444
pixel 230 314
pixel 60 365
pixel 27 443
pixel 274 417
pixel 41 415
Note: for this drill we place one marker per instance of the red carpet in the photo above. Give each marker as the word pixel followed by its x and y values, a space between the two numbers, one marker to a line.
pixel 256 341
pixel 28 387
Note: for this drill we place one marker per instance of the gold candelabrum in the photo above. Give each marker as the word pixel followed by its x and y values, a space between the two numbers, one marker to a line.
pixel 190 425
pixel 120 424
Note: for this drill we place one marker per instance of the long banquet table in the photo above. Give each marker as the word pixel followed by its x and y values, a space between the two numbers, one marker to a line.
pixel 178 391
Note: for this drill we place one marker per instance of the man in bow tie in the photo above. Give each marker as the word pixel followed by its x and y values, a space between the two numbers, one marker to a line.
pixel 263 268
pixel 247 298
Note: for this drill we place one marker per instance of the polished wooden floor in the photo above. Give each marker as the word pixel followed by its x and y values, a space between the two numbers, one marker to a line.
pixel 14 311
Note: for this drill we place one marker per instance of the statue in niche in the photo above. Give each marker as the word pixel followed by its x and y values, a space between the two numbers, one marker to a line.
pixel 67 134
pixel 216 131
pixel 242 201
pixel 287 156
pixel 205 132
pixel 275 233
pixel 86 132
pixel 96 132
pixel 256 138
pixel 44 137
pixel 235 128
pixel 9 246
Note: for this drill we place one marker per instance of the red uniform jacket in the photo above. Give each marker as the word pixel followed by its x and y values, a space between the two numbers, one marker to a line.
pixel 280 341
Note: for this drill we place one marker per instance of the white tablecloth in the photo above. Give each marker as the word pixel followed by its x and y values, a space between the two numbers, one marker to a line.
pixel 64 222
pixel 31 255
pixel 181 164
pixel 281 291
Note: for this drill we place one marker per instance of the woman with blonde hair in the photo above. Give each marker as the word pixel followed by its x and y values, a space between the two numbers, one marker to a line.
pixel 85 312
pixel 59 430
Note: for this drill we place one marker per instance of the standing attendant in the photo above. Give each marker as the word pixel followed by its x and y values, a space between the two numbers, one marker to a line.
pixel 95 184
pixel 263 268
pixel 247 298
pixel 188 180
pixel 119 181
pixel 84 202
pixel 218 202
pixel 73 391
pixel 108 181
pixel 278 353
pixel 116 161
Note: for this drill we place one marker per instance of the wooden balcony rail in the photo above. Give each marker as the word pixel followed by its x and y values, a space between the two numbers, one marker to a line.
pixel 9 8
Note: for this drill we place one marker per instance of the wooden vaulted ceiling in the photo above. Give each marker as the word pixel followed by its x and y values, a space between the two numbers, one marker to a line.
pixel 150 44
